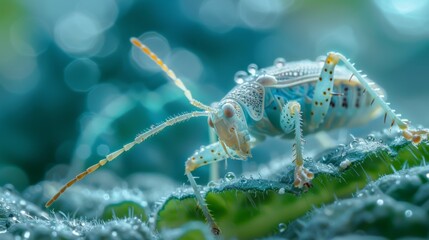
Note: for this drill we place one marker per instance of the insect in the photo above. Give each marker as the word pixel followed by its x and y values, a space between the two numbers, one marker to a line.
pixel 288 99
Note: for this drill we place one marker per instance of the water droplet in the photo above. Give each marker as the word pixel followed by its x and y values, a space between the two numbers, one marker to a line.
pixel 380 202
pixel 408 213
pixel 243 180
pixel 229 176
pixel 252 68
pixel 114 234
pixel 26 234
pixel 354 143
pixel 75 232
pixel 345 164
pixel 282 227
pixel 106 196
pixel 328 212
pixel 370 137
pixel 240 76
pixel 427 175
pixel 212 184
pixel 279 62
pixel 281 191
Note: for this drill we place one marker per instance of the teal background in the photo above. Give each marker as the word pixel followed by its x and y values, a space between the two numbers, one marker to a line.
pixel 72 89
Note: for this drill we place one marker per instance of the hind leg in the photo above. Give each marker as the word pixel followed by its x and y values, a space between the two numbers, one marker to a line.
pixel 323 95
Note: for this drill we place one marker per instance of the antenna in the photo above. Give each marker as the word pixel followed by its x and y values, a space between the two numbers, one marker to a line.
pixel 170 74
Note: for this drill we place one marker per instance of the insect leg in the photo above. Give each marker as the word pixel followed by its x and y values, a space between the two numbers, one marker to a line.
pixel 291 120
pixel 322 93
pixel 206 155
pixel 415 136
pixel 140 138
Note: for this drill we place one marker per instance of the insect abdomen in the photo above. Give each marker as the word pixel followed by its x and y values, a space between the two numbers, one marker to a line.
pixel 350 109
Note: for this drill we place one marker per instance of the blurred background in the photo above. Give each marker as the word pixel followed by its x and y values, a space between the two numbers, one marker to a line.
pixel 72 89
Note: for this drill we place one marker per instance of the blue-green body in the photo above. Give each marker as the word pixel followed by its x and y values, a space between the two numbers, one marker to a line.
pixel 297 81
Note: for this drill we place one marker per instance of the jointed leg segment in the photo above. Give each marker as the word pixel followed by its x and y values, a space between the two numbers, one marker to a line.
pixel 291 120
pixel 206 155
pixel 325 84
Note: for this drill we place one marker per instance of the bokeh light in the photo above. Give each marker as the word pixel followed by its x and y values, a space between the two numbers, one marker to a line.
pixel 73 88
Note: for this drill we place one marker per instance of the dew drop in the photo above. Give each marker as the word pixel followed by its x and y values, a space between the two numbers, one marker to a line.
pixel 408 213
pixel 370 138
pixel 240 76
pixel 345 164
pixel 427 175
pixel 279 62
pixel 243 180
pixel 354 143
pixel 212 184
pixel 380 202
pixel 106 196
pixel 114 234
pixel 75 232
pixel 229 176
pixel 252 68
pixel 26 234
pixel 282 227
pixel 281 191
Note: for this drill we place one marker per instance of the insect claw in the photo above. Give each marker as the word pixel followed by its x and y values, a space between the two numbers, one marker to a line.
pixel 351 77
pixel 372 102
pixel 385 116
pixel 393 122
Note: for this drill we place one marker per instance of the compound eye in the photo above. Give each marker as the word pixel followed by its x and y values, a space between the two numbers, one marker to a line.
pixel 210 122
pixel 228 110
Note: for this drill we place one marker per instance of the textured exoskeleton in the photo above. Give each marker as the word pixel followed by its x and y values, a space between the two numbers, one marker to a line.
pixel 288 99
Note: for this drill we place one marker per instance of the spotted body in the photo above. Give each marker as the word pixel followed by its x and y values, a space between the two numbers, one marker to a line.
pixel 287 100
pixel 296 81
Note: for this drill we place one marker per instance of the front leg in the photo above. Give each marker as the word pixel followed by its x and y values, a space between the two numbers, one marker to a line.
pixel 212 153
pixel 290 120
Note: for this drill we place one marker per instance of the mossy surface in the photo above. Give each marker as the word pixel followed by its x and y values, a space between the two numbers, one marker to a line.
pixel 248 207
pixel 365 188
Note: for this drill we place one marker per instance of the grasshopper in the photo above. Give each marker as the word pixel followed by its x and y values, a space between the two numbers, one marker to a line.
pixel 288 99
